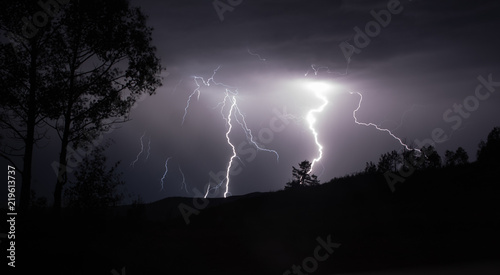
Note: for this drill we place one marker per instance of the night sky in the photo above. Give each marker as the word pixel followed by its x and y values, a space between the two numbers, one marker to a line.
pixel 413 74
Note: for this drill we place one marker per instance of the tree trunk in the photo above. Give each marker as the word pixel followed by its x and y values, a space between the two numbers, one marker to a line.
pixel 62 176
pixel 30 134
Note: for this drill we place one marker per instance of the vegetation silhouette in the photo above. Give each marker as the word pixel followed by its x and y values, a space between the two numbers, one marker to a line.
pixel 302 177
pixel 440 214
pixel 489 151
pixel 79 74
pixel 95 187
pixel 459 157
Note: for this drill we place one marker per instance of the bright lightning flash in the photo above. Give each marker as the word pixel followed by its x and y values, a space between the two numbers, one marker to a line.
pixel 232 146
pixel 318 88
pixel 230 96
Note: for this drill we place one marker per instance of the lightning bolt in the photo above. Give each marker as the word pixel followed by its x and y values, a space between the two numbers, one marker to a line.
pixel 227 118
pixel 166 171
pixel 222 104
pixel 230 163
pixel 208 189
pixel 197 90
pixel 215 188
pixel 377 127
pixel 249 135
pixel 311 120
pixel 316 70
pixel 234 111
pixel 176 86
pixel 255 54
pixel 183 184
pixel 142 149
pixel 198 87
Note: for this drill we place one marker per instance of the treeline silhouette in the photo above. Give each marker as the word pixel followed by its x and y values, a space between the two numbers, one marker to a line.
pixel 438 214
pixel 397 166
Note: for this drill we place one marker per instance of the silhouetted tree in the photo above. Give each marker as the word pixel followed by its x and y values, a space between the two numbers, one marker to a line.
pixel 410 159
pixel 370 168
pixel 293 185
pixel 95 187
pixel 302 177
pixel 389 162
pixel 103 62
pixel 84 67
pixel 459 157
pixel 384 163
pixel 25 73
pixel 489 151
pixel 432 159
pixel 449 158
pixel 396 159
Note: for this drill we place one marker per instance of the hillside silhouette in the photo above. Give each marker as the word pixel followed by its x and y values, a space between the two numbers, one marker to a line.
pixel 445 214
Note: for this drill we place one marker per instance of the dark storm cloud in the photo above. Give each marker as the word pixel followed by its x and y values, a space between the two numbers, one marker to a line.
pixel 427 55
pixel 430 54
pixel 420 53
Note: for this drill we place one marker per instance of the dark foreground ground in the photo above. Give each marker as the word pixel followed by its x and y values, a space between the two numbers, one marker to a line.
pixel 437 222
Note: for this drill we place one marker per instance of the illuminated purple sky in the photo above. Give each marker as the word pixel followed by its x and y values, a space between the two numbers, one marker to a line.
pixel 427 58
